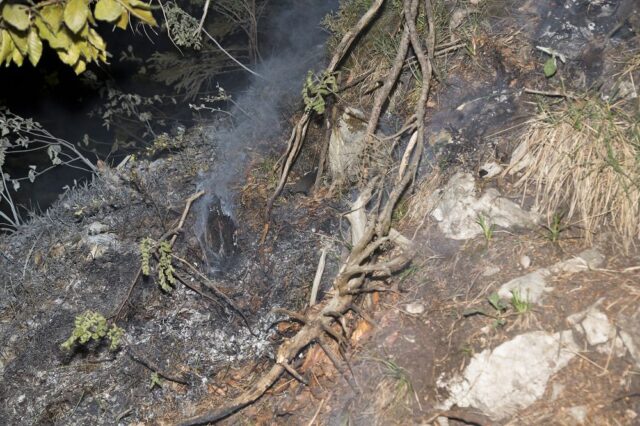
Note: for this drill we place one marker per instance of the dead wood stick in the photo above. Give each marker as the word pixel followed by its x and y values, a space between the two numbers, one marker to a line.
pixel 318 277
pixel 139 357
pixel 383 95
pixel 294 373
pixel 211 286
pixel 449 49
pixel 348 39
pixel 295 144
pixel 326 348
pixel 550 94
pixel 407 154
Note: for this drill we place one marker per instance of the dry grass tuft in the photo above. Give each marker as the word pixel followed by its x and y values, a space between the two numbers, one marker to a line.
pixel 584 163
pixel 423 201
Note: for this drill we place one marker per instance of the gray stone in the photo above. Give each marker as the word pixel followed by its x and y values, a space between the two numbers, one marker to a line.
pixel 593 324
pixel 629 329
pixel 533 285
pixel 97 228
pixel 457 209
pixel 490 271
pixel 579 414
pixel 415 308
pixel 98 245
pixel 512 376
pixel 588 259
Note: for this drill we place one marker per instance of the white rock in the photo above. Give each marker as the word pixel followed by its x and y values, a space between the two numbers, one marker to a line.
pixel 346 143
pixel 525 261
pixel 530 287
pixel 588 259
pixel 414 308
pixel 457 209
pixel 533 285
pixel 579 413
pixel 98 245
pixel 593 324
pixel 512 376
pixel 491 169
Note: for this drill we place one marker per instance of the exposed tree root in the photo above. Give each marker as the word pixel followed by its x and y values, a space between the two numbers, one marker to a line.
pixel 370 227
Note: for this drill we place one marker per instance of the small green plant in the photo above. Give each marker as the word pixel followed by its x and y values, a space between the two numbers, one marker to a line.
pixel 520 303
pixel 316 88
pixel 499 308
pixel 400 211
pixel 496 303
pixel 156 380
pixel 146 245
pixel 467 350
pixel 165 268
pixel 486 225
pixel 166 277
pixel 400 376
pixel 551 65
pixel 92 325
pixel 555 228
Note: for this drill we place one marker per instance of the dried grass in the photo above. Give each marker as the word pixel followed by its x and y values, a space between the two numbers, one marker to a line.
pixel 423 201
pixel 584 164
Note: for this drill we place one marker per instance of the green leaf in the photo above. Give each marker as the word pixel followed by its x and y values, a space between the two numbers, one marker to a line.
pixel 20 40
pixel 57 40
pixel 16 15
pixel 123 22
pixel 35 47
pixel 139 4
pixel 108 10
pixel 71 55
pixel 550 67
pixel 52 17
pixel 80 67
pixel 144 15
pixel 76 13
pixel 6 47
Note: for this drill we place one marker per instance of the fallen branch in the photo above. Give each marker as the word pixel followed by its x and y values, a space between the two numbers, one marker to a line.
pixel 211 286
pixel 139 357
pixel 317 278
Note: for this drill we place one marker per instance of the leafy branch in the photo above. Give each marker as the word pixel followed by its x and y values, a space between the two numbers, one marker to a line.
pixel 67 26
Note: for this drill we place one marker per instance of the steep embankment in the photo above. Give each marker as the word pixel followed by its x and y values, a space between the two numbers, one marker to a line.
pixel 520 305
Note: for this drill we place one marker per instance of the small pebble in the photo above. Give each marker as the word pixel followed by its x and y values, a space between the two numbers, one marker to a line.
pixel 491 270
pixel 489 170
pixel 525 261
pixel 415 308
